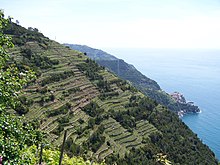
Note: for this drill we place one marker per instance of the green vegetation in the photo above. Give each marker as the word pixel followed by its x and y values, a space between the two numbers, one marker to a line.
pixel 22 35
pixel 51 157
pixel 61 110
pixel 56 77
pixel 128 72
pixel 18 137
pixel 105 117
pixel 90 68
pixel 15 134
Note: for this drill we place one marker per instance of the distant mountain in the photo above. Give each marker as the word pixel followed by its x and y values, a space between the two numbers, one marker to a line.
pixel 117 66
pixel 128 72
pixel 95 54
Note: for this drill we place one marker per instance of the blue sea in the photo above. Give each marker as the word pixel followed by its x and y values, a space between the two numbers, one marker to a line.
pixel 194 73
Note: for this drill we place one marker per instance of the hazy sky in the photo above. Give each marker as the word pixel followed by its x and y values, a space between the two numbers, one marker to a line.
pixel 122 23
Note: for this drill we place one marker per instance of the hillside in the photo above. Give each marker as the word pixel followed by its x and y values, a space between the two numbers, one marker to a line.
pixel 106 117
pixel 128 72
pixel 117 66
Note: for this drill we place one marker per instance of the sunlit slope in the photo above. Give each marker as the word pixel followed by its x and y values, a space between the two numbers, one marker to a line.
pixel 105 117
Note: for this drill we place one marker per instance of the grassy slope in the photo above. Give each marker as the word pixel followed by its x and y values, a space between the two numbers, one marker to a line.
pixel 153 126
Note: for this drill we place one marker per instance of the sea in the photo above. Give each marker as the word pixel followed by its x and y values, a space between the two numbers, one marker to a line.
pixel 195 73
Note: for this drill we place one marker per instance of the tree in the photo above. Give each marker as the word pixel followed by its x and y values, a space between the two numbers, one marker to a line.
pixel 15 134
pixel 30 28
pixel 11 78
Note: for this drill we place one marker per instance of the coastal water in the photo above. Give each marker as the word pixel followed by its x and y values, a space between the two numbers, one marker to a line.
pixel 194 73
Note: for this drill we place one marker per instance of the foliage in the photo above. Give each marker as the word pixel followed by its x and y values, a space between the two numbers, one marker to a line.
pixel 138 109
pixel 11 82
pixel 96 139
pixel 21 35
pixel 104 86
pixel 55 77
pixel 61 110
pixel 51 157
pixel 21 109
pixel 15 134
pixel 37 60
pixel 178 142
pixel 90 68
pixel 93 109
pixel 11 79
pixel 96 113
pixel 174 139
pixel 140 156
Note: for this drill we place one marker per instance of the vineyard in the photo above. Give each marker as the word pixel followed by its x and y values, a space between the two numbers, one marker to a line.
pixel 105 117
pixel 64 83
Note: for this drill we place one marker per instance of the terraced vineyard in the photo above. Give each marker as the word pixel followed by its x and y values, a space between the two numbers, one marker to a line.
pixel 105 117
pixel 49 95
pixel 144 128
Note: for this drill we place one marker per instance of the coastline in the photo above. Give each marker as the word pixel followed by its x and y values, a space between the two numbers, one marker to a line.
pixel 186 107
pixel 182 113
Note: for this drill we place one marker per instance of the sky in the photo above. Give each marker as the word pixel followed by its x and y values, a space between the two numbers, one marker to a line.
pixel 187 24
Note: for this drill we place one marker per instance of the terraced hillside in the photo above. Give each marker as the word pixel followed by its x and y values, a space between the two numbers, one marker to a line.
pixel 105 116
pixel 128 72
